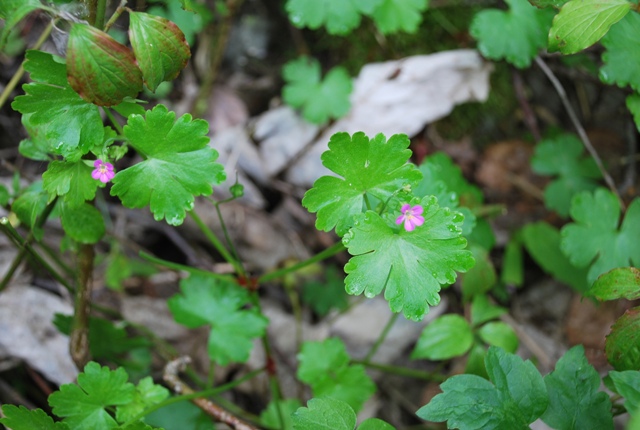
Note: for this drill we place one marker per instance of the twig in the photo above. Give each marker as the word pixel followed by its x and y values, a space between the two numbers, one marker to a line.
pixel 79 338
pixel 529 117
pixel 170 376
pixel 115 15
pixel 581 132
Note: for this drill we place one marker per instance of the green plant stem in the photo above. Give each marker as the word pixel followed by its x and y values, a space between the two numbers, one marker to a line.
pixel 55 256
pixel 101 11
pixel 115 16
pixel 194 395
pixel 177 266
pixel 115 123
pixel 79 338
pixel 15 79
pixel 329 252
pixel 226 233
pixel 366 202
pixel 382 337
pixel 217 244
pixel 581 131
pixel 403 371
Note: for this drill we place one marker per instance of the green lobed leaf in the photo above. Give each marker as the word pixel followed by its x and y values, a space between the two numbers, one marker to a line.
pixel 409 266
pixel 180 416
pixel 100 69
pixel 575 402
pixel 146 395
pixel 445 337
pixel 218 303
pixel 29 205
pixel 481 277
pixel 178 164
pixel 475 360
pixel 83 223
pixel 339 17
pixel 594 238
pixel 581 23
pixel 318 99
pixel 375 424
pixel 271 417
pixel 627 384
pixel 622 55
pixel 516 35
pixel 74 124
pixel 322 297
pixel 541 4
pixel 497 333
pixel 71 180
pixel 543 244
pixel 21 418
pixel 159 46
pixel 325 414
pixel 482 310
pixel 563 156
pixel 84 405
pixel 392 16
pixel 620 283
pixel 325 367
pixel 375 167
pixel 622 346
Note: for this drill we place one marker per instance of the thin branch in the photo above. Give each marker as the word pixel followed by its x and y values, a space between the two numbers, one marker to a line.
pixel 581 131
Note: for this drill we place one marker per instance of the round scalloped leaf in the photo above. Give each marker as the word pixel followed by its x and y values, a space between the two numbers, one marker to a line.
pixel 100 69
pixel 83 223
pixel 622 56
pixel 623 343
pixel 581 23
pixel 620 283
pixel 399 15
pixel 159 46
pixel 324 414
pixel 339 17
pixel 445 337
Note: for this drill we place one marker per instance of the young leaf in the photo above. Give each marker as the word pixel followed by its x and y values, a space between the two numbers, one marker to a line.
pixel 622 55
pixel 470 402
pixel 543 244
pixel 627 384
pixel 325 367
pixel 74 124
pixel 516 35
pixel 621 283
pixel 147 394
pixel 100 69
pixel 497 333
pixel 594 239
pixel 575 402
pixel 83 223
pixel 71 180
pixel 369 166
pixel 29 205
pixel 338 16
pixel 581 23
pixel 409 265
pixel 209 301
pixel 375 424
pixel 319 100
pixel 445 337
pixel 178 164
pixel 392 16
pixel 21 418
pixel 159 46
pixel 482 310
pixel 84 405
pixel 563 156
pixel 270 417
pixel 622 346
pixel 327 295
pixel 481 277
pixel 325 414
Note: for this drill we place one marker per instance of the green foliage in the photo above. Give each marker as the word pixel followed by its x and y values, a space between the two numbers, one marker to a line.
pixel 13 11
pixel 633 104
pixel 99 68
pixel 621 283
pixel 159 46
pixel 497 333
pixel 594 238
pixel 622 54
pixel 623 343
pixel 516 35
pixel 327 295
pixel 370 168
pixel 21 418
pixel 516 398
pixel 409 266
pixel 178 164
pixel 445 337
pixel 71 180
pixel 29 205
pixel 217 303
pixel 482 310
pixel 282 408
pixel 481 277
pixel 563 156
pixel 72 125
pixel 319 99
pixel 574 400
pixel 339 17
pixel 542 241
pixel 627 384
pixel 180 416
pixel 332 414
pixel 120 268
pixel 191 19
pixel 325 367
pixel 581 23
pixel 147 394
pixel 392 16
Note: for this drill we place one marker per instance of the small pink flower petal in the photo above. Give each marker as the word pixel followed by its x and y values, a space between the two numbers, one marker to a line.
pixel 417 220
pixel 405 208
pixel 417 210
pixel 400 219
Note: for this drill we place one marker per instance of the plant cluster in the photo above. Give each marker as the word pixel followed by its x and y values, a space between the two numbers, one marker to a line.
pixel 409 230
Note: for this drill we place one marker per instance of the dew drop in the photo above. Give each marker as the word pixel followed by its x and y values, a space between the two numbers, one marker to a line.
pixel 450 278
pixel 369 294
pixel 452 228
pixel 59 145
pixel 188 205
pixel 458 217
pixel 432 200
pixel 296 19
pixel 447 211
pixel 434 274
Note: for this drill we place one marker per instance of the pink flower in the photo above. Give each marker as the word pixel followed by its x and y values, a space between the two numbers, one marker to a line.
pixel 103 171
pixel 411 217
